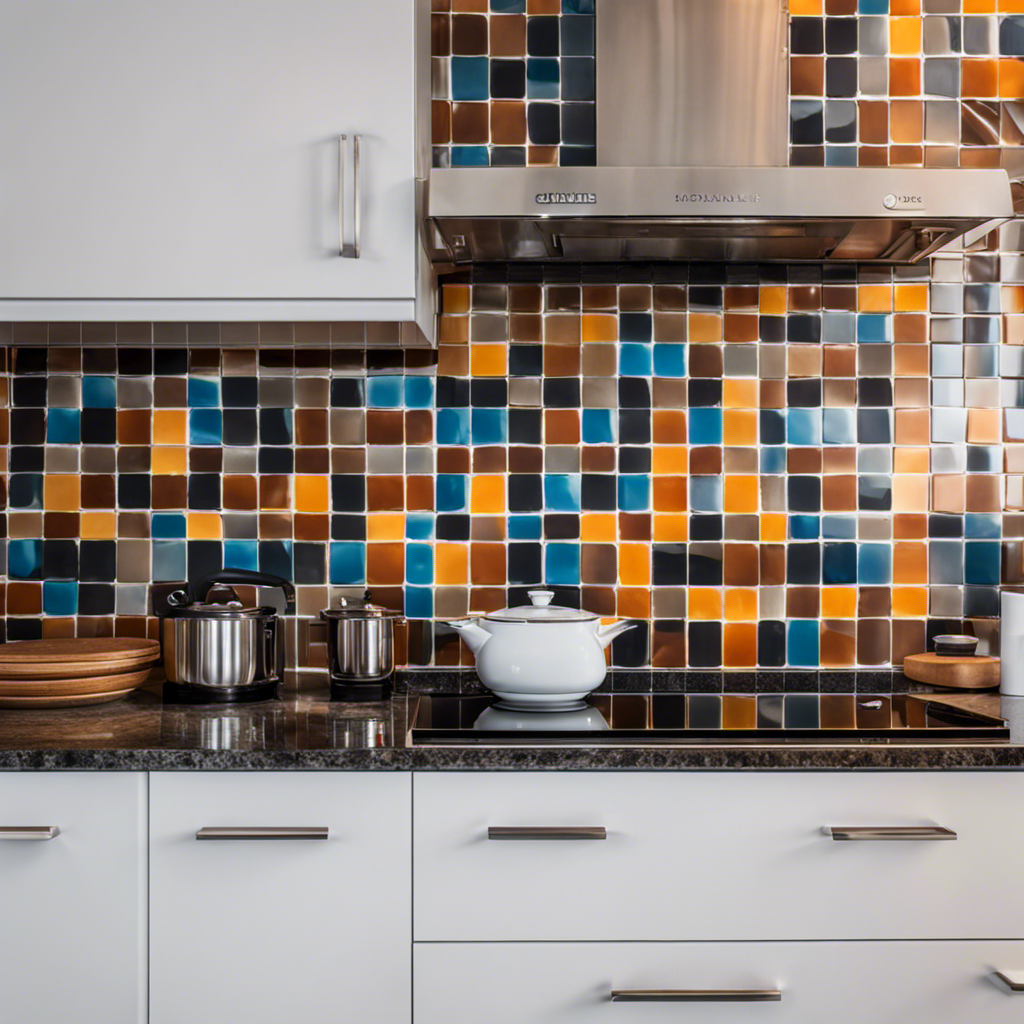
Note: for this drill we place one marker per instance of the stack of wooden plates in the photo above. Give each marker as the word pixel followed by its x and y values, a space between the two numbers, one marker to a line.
pixel 69 673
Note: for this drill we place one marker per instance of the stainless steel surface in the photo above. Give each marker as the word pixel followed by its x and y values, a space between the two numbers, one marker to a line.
pixel 692 83
pixel 220 652
pixel 222 832
pixel 1007 984
pixel 888 832
pixel 30 833
pixel 696 995
pixel 657 213
pixel 360 642
pixel 571 832
pixel 350 250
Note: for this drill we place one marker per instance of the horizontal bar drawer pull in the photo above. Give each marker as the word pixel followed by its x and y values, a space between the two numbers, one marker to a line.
pixel 38 833
pixel 1013 986
pixel 882 832
pixel 697 995
pixel 314 832
pixel 546 832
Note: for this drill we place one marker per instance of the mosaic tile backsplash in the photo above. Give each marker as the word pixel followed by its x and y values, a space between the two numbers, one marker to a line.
pixel 765 467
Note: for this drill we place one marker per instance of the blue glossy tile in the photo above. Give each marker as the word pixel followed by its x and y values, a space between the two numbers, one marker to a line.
pixel 802 643
pixel 705 426
pixel 773 459
pixel 204 426
pixel 525 527
pixel 470 156
pixel 577 6
pixel 451 492
pixel 490 426
pixel 99 393
pixel 981 525
pixel 804 527
pixel 419 563
pixel 873 6
pixel 874 328
pixel 874 564
pixel 562 492
pixel 634 360
pixel 384 392
pixel 167 525
pixel 562 564
pixel 839 564
pixel 841 156
pixel 169 560
pixel 542 78
pixel 60 598
pixel 203 392
pixel 419 392
pixel 470 78
pixel 669 360
pixel 839 426
pixel 839 527
pixel 63 426
pixel 419 602
pixel 981 563
pixel 599 426
pixel 706 493
pixel 419 526
pixel 453 426
pixel 803 426
pixel 24 559
pixel 634 492
pixel 242 554
pixel 348 562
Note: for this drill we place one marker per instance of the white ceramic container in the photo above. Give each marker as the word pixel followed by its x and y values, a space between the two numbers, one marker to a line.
pixel 539 654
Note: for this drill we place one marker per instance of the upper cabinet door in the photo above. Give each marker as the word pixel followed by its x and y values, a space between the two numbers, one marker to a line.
pixel 187 150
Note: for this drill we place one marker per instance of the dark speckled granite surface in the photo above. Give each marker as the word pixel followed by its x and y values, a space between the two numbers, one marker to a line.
pixel 307 731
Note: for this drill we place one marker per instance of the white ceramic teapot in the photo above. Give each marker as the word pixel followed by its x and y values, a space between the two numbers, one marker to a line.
pixel 540 653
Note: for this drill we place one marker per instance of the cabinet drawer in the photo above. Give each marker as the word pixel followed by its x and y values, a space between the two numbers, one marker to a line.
pixel 72 907
pixel 703 856
pixel 815 982
pixel 279 925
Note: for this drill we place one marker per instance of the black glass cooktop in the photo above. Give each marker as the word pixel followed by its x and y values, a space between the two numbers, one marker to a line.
pixel 671 718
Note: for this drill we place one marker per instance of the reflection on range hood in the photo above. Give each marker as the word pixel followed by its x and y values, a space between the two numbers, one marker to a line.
pixel 692 115
pixel 747 214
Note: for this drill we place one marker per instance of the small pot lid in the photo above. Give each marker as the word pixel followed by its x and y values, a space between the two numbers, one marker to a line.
pixel 359 608
pixel 541 610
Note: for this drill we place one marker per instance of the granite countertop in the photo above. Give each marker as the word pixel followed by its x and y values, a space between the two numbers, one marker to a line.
pixel 305 730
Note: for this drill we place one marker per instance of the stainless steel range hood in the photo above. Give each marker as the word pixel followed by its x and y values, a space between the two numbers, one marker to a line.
pixel 692 152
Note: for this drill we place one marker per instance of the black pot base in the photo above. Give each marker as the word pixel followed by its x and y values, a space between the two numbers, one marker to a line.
pixel 355 692
pixel 180 693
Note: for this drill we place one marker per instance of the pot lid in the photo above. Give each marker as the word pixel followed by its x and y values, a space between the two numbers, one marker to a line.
pixel 179 607
pixel 359 608
pixel 541 610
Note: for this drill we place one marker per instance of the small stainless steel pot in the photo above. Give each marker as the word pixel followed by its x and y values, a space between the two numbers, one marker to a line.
pixel 360 640
pixel 224 647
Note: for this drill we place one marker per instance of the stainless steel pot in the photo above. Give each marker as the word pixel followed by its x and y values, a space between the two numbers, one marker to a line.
pixel 360 640
pixel 224 647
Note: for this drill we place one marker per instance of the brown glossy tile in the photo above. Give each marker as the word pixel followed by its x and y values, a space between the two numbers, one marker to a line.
pixel 487 564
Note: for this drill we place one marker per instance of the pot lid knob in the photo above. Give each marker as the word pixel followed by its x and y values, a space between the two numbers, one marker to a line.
pixel 541 598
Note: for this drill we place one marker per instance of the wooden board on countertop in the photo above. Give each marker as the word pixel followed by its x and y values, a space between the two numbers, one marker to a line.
pixel 73 687
pixel 32 670
pixel 75 701
pixel 975 672
pixel 77 649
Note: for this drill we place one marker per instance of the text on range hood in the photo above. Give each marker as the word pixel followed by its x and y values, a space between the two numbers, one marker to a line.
pixel 692 143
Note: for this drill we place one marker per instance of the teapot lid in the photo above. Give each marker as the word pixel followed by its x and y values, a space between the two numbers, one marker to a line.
pixel 541 610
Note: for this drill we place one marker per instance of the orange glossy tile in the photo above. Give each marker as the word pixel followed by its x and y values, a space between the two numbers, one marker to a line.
pixel 739 644
pixel 906 124
pixel 561 426
pixel 1011 78
pixel 911 298
pixel 311 493
pixel 704 604
pixel 169 426
pixel 385 526
pixel 979 77
pixel 62 492
pixel 838 645
pixel 909 563
pixel 741 493
pixel 598 526
pixel 99 525
pixel 600 327
pixel 669 459
pixel 455 298
pixel 910 360
pixel 774 526
pixel 773 300
pixel 669 493
pixel 910 493
pixel 635 565
pixel 739 711
pixel 799 7
pixel 911 460
pixel 671 527
pixel 668 426
pixel 452 564
pixel 912 426
pixel 741 604
pixel 904 76
pixel 488 360
pixel 487 495
pixel 170 460
pixel 385 565
pixel 910 602
pixel 633 602
pixel 984 426
pixel 839 602
pixel 874 298
pixel 204 526
pixel 487 566
pixel 705 328
pixel 739 393
pixel 904 36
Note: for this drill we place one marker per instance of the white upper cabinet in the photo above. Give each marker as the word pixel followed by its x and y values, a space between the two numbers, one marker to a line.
pixel 179 159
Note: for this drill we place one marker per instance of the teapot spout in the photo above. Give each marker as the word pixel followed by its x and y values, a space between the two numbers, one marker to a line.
pixel 606 634
pixel 471 632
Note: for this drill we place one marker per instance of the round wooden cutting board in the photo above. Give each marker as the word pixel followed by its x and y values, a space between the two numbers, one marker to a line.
pixel 977 672
pixel 72 687
pixel 74 669
pixel 80 649
pixel 64 702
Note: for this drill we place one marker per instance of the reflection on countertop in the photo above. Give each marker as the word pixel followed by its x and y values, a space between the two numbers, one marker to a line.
pixel 306 730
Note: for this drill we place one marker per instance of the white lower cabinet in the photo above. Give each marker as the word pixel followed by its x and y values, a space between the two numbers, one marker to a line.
pixel 72 898
pixel 285 928
pixel 817 982
pixel 717 856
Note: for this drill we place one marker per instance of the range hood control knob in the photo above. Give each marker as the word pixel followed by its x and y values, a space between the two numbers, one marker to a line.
pixel 889 202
